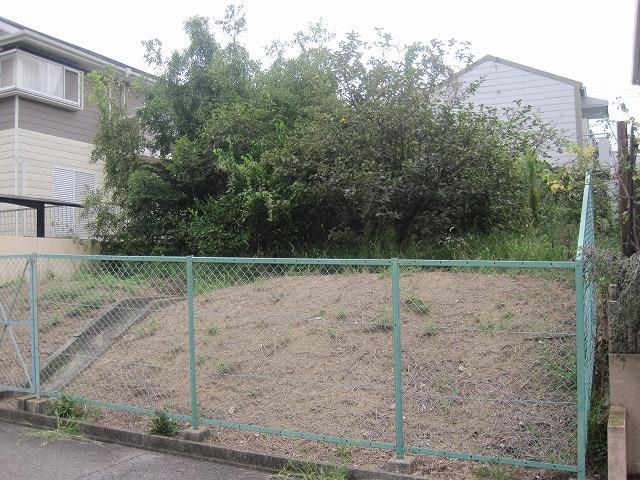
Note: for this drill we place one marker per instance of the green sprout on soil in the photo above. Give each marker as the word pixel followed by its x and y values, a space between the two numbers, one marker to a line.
pixel 382 324
pixel 14 282
pixel 342 314
pixel 561 371
pixel 65 407
pixel 55 321
pixel 213 330
pixel 331 332
pixel 415 304
pixel 227 368
pixel 428 328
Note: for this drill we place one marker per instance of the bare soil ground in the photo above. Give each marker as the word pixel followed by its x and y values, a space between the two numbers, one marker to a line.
pixel 487 366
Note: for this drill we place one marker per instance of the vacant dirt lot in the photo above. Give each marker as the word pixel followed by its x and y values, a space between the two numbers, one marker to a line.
pixel 488 362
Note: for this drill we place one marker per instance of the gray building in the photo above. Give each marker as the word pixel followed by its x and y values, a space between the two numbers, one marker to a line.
pixel 560 101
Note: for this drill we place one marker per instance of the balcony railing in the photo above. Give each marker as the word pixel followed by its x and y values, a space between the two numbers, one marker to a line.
pixel 60 222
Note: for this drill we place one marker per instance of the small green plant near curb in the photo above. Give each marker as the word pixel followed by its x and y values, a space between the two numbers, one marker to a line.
pixel 344 452
pixel 162 424
pixel 65 407
pixel 383 323
pixel 213 330
pixel 495 472
pixel 311 472
pixel 415 304
pixel 63 430
pixel 428 328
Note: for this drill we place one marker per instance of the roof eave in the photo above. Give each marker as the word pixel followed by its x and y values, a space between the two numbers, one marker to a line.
pixel 520 66
pixel 80 57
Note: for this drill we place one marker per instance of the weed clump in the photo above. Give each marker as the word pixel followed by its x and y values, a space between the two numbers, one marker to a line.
pixel 417 305
pixel 163 425
pixel 383 323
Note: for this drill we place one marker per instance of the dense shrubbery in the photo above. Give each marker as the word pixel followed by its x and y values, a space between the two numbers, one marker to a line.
pixel 328 148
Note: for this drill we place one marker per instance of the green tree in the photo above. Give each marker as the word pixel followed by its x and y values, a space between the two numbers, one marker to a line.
pixel 328 143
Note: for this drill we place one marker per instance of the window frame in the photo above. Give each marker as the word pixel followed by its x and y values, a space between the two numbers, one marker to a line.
pixel 36 94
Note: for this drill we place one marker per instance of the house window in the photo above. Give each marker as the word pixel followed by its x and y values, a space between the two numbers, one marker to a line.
pixel 40 78
pixel 7 72
pixel 71 186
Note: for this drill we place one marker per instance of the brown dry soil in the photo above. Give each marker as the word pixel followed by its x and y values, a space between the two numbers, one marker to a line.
pixel 487 366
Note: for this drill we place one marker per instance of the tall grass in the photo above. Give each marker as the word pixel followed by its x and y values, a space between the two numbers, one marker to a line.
pixel 533 243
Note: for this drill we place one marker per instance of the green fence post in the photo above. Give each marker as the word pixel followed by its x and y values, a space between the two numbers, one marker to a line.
pixel 397 357
pixel 192 344
pixel 580 373
pixel 33 312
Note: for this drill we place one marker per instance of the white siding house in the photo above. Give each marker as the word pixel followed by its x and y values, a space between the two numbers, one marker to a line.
pixel 559 100
pixel 47 126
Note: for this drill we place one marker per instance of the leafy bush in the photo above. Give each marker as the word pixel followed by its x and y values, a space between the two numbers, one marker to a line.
pixel 363 142
pixel 624 321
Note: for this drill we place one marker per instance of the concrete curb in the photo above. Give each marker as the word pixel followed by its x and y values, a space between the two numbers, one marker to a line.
pixel 186 448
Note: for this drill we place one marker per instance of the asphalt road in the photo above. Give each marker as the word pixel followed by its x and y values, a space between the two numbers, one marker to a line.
pixel 27 457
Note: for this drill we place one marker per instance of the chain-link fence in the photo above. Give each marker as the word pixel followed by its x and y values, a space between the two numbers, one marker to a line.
pixel 17 318
pixel 479 360
pixel 586 316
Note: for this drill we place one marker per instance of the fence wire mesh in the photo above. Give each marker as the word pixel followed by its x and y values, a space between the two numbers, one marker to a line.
pixel 475 358
pixel 16 360
pixel 296 347
pixel 115 331
pixel 489 362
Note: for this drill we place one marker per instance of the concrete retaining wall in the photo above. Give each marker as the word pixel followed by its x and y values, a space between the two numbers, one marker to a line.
pixel 624 384
pixel 17 245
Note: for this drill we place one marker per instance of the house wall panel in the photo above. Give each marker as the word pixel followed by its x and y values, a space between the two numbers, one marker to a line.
pixel 7 116
pixel 555 100
pixel 6 161
pixel 78 125
pixel 42 152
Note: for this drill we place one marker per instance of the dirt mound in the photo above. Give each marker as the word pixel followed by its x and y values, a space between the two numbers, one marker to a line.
pixel 487 360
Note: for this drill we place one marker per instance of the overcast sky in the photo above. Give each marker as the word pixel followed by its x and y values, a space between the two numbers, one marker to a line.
pixel 586 40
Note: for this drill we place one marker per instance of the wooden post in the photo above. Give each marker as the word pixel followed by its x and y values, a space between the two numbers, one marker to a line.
pixel 633 189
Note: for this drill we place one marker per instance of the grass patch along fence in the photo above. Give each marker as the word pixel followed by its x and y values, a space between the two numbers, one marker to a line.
pixel 468 359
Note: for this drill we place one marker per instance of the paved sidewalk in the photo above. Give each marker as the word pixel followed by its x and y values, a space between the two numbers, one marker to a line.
pixel 27 458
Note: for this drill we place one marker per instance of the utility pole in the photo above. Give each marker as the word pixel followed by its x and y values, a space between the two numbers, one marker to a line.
pixel 627 190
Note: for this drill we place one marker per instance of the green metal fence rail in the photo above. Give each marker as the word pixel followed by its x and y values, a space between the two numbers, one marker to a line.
pixel 586 317
pixel 137 334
